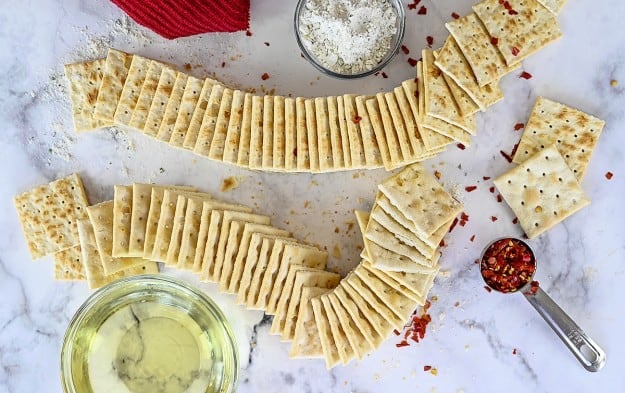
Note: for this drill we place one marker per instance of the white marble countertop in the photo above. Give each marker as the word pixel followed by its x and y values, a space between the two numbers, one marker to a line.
pixel 473 333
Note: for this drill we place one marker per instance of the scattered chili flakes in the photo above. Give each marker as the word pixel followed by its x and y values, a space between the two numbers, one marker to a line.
pixel 461 146
pixel 534 285
pixel 525 75
pixel 427 368
pixel 515 220
pixel 499 198
pixel 416 327
pixel 187 67
pixel 403 343
pixel 384 75
pixel 472 238
pixel 514 351
pixel 464 218
pixel 453 224
pixel 454 15
pixel 494 41
pixel 486 178
pixel 470 188
pixel 357 119
pixel 405 49
pixel 248 33
pixel 488 289
pixel 266 43
pixel 295 151
pixel 422 10
pixel 493 218
pixel 412 62
pixel 265 76
pixel 223 64
pixel 515 51
pixel 396 332
pixel 492 189
pixel 437 174
pixel 519 126
pixel 430 40
pixel 442 243
pixel 507 265
pixel 609 175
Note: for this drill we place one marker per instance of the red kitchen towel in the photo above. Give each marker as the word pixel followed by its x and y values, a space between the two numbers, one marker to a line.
pixel 182 18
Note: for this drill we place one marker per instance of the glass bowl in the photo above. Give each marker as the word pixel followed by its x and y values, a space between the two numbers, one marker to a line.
pixel 394 46
pixel 149 333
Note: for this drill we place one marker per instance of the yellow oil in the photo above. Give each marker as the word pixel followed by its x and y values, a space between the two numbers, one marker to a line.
pixel 150 347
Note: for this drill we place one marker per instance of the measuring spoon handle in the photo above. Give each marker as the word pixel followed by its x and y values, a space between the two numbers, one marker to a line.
pixel 589 354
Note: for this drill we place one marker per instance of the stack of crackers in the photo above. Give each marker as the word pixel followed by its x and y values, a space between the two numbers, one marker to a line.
pixel 553 154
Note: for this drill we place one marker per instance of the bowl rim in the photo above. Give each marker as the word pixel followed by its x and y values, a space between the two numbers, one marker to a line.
pixel 390 55
pixel 77 320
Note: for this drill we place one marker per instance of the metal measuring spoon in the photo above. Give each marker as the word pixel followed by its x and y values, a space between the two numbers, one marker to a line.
pixel 508 265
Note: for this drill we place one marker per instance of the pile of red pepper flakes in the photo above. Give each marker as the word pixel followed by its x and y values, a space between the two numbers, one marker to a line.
pixel 416 327
pixel 507 265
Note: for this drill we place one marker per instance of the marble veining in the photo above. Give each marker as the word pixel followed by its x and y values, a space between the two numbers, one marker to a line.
pixel 477 341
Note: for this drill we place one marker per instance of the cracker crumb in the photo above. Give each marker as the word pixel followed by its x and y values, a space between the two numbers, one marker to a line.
pixel 613 83
pixel 229 183
pixel 336 251
pixel 306 204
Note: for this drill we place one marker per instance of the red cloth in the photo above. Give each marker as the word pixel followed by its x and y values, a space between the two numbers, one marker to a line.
pixel 182 18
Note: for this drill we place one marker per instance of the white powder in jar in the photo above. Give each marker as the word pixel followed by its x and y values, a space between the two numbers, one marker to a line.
pixel 348 36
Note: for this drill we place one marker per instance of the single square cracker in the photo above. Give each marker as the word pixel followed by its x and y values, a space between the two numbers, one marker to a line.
pixel 306 342
pixel 84 84
pixel 33 208
pixel 473 40
pixel 68 205
pixel 574 133
pixel 132 88
pixel 419 196
pixel 542 191
pixel 520 33
pixel 115 72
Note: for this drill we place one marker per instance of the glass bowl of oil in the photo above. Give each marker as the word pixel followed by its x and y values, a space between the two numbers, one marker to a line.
pixel 149 333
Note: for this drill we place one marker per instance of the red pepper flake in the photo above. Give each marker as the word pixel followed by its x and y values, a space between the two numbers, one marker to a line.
pixel 493 218
pixel 514 149
pixel 494 41
pixel 403 343
pixel 413 5
pixel 248 33
pixel 437 174
pixel 295 151
pixel 519 126
pixel 427 368
pixel 422 10
pixel 486 178
pixel 265 76
pixel 405 49
pixel 453 224
pixel 412 62
pixel 223 64
pixel 513 12
pixel 472 238
pixel 454 15
pixel 396 332
pixel 384 75
pixel 609 175
pixel 377 73
pixel 430 40
pixel 464 216
pixel 515 51
pixel 461 146
pixel 488 289
pixel 266 43
pixel 492 189
pixel 507 265
pixel 442 243
pixel 499 198
pixel 514 351
pixel 525 75
pixel 506 155
pixel 515 220
pixel 357 119
pixel 470 188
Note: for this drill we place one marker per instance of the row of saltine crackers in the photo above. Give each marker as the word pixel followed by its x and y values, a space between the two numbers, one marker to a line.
pixel 269 132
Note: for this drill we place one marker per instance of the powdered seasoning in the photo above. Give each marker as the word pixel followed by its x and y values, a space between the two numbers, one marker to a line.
pixel 348 36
